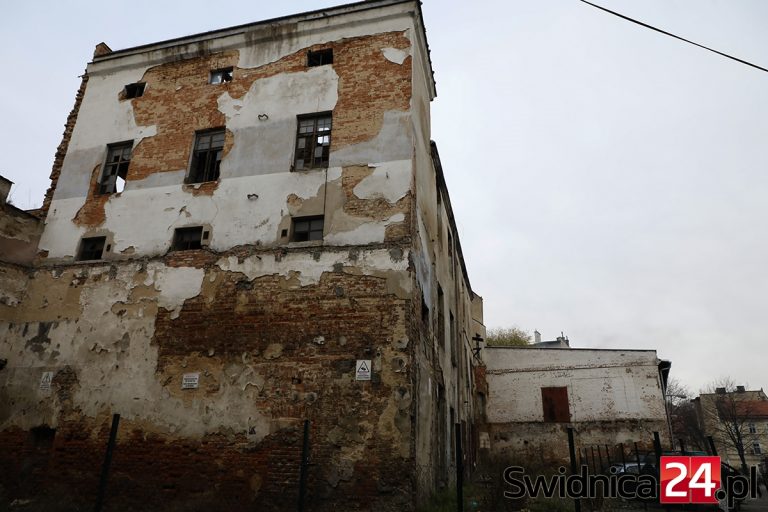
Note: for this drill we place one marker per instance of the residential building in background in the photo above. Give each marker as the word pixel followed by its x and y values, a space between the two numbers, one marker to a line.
pixel 246 229
pixel 737 421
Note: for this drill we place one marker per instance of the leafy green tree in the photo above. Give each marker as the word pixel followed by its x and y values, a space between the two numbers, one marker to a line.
pixel 508 337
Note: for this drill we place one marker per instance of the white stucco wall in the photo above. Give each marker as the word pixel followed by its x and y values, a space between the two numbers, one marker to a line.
pixel 603 385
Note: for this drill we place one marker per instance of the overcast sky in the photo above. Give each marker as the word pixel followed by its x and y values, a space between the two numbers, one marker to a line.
pixel 608 181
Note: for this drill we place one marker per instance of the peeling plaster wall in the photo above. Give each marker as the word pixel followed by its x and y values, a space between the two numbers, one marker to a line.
pixel 614 396
pixel 272 327
pixel 252 196
pixel 273 337
pixel 19 235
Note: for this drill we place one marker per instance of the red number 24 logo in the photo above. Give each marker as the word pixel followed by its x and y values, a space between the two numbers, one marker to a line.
pixel 689 479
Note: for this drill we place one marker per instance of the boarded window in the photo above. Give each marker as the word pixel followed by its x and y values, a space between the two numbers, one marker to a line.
pixel 555 404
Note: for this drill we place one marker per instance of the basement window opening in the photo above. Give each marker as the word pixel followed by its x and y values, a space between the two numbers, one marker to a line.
pixel 206 157
pixel 91 248
pixel 220 76
pixel 134 90
pixel 306 229
pixel 115 171
pixel 187 239
pixel 320 57
pixel 313 141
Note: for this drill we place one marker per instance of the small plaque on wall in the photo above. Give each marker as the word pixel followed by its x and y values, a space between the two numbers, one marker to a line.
pixel 190 381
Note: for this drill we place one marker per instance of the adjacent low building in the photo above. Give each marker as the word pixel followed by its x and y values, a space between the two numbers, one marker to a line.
pixel 607 396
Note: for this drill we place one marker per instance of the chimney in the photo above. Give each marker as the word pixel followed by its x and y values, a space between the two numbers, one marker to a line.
pixel 5 189
pixel 720 391
pixel 536 337
pixel 740 389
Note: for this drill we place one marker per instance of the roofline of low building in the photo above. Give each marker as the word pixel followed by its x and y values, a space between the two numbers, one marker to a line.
pixel 569 349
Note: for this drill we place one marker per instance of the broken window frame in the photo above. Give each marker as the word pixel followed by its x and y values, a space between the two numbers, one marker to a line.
pixel 91 248
pixel 313 232
pixel 115 167
pixel 188 238
pixel 207 153
pixel 221 75
pixel 319 57
pixel 555 404
pixel 313 133
pixel 441 337
pixel 134 90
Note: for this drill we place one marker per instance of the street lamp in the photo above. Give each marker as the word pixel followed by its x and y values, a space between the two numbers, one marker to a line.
pixel 667 407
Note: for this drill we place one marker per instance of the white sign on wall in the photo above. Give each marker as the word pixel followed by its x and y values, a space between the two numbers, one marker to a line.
pixel 45 381
pixel 190 381
pixel 363 369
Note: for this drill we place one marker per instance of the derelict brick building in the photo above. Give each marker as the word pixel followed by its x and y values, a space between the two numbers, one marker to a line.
pixel 255 208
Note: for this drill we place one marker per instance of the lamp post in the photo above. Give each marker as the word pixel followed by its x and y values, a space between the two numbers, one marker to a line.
pixel 668 407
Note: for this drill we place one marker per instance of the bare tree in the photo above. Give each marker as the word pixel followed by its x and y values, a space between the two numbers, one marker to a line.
pixel 729 414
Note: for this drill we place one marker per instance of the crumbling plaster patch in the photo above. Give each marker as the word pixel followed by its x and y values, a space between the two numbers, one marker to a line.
pixel 390 180
pixel 102 120
pixel 395 55
pixel 109 346
pixel 265 46
pixel 277 97
pixel 365 232
pixel 376 262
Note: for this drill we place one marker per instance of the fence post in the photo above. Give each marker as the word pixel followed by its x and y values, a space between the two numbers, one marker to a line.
pixel 304 467
pixel 459 471
pixel 572 453
pixel 623 461
pixel 107 463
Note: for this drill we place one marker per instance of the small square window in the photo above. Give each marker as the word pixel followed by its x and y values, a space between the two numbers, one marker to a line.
pixel 186 239
pixel 320 57
pixel 92 248
pixel 134 90
pixel 116 168
pixel 756 450
pixel 206 156
pixel 306 229
pixel 313 141
pixel 220 76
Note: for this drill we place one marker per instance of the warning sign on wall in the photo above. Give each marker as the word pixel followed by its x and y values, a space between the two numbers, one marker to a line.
pixel 45 382
pixel 363 369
